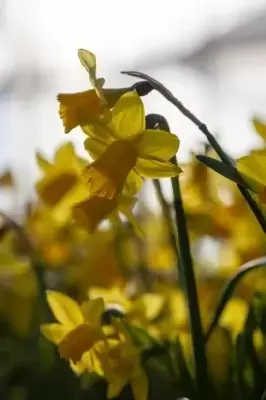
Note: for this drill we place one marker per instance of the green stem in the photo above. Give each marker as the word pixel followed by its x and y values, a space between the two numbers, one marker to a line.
pixel 187 275
pixel 203 128
pixel 166 214
pixel 154 121
pixel 187 272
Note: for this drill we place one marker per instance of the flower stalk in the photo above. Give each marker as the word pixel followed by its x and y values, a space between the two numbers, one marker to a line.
pixel 211 139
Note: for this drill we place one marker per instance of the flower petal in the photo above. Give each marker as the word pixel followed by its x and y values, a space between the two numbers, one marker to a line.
pixel 66 310
pixel 156 169
pixel 94 147
pixel 115 387
pixel 54 332
pixel 253 170
pixel 62 210
pixel 153 304
pixel 42 162
pixel 128 117
pixel 79 108
pixel 159 145
pixel 91 212
pixel 260 127
pixel 139 386
pixel 92 311
pixel 99 131
pixel 54 186
pixel 133 183
pixel 64 154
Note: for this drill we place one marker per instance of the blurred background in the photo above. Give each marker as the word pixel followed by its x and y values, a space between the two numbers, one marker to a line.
pixel 210 53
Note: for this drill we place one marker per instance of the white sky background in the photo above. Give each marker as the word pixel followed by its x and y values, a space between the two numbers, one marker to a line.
pixel 47 33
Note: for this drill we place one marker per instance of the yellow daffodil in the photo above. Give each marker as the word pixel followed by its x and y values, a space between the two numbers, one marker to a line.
pixel 77 331
pixel 141 311
pixel 81 108
pixel 89 192
pixel 61 176
pixel 134 151
pixel 121 364
pixel 260 127
pixel 252 168
pixel 234 316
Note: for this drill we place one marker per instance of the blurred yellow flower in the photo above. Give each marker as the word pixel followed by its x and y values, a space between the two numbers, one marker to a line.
pixel 77 330
pixel 88 192
pixel 260 127
pixel 121 364
pixel 253 170
pixel 234 315
pixel 81 108
pixel 141 310
pixel 134 151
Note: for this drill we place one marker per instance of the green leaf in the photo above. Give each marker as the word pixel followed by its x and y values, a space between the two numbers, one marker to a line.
pixel 223 169
pixel 230 288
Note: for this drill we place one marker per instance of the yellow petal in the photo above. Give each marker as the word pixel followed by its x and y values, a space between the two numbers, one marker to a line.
pixel 64 154
pixel 42 163
pixel 91 362
pixel 139 386
pixel 79 108
pixel 153 304
pixel 234 315
pixel 133 183
pixel 107 175
pixel 99 131
pixel 115 387
pixel 260 127
pixel 79 367
pixel 54 332
pixel 158 145
pixel 253 170
pixel 128 117
pixel 63 209
pixel 78 341
pixel 156 169
pixel 94 147
pixel 54 186
pixel 66 310
pixel 90 213
pixel 92 311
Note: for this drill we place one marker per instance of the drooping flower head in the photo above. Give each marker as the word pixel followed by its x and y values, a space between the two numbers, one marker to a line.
pixel 81 108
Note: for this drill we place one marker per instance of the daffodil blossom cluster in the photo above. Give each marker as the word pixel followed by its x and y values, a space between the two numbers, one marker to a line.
pixel 124 153
pixel 82 341
pixel 102 310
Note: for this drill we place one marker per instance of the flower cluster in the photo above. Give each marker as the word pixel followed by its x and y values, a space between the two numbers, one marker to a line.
pixel 123 150
pixel 149 304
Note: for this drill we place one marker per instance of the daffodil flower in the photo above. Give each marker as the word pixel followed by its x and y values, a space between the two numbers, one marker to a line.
pixel 121 365
pixel 141 311
pixel 77 331
pixel 253 170
pixel 60 176
pixel 71 187
pixel 131 151
pixel 260 127
pixel 81 108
